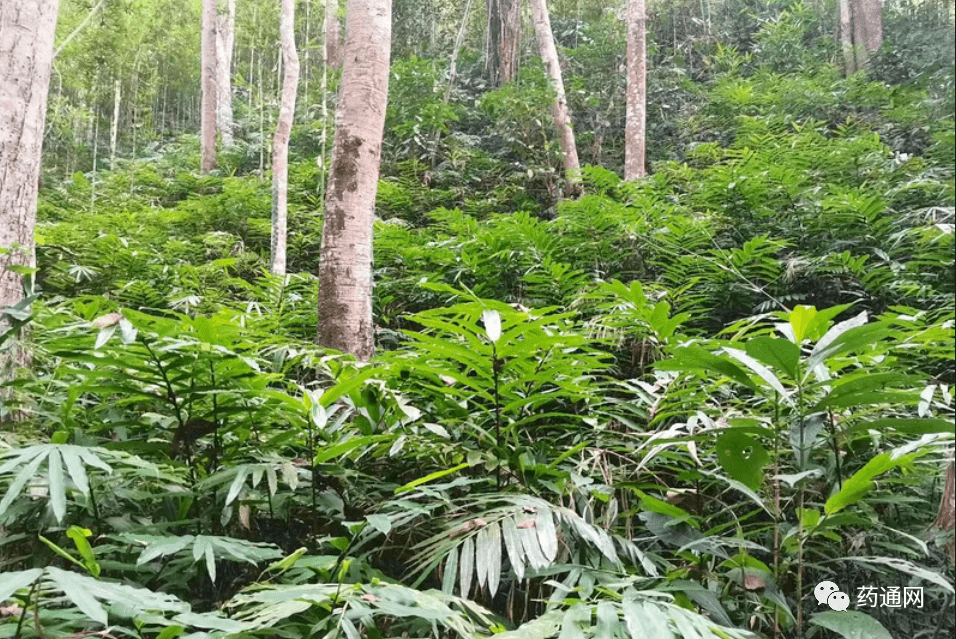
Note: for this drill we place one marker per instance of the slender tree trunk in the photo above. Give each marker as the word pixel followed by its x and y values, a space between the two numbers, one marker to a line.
pixel 114 125
pixel 280 144
pixel 27 29
pixel 635 127
pixel 345 268
pixel 846 36
pixel 504 36
pixel 333 35
pixel 207 110
pixel 559 110
pixel 452 75
pixel 946 518
pixel 225 40
pixel 308 50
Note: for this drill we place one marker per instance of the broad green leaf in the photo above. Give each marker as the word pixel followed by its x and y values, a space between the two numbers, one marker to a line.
pixel 466 566
pixel 241 474
pixel 77 592
pixel 861 389
pixel 10 582
pixel 451 572
pixel 547 535
pixel 290 475
pixel 860 482
pixel 494 557
pixel 532 549
pixel 743 457
pixel 513 544
pixel 781 354
pixel 574 618
pixel 837 331
pixel 381 523
pixel 851 624
pixel 760 370
pixel 607 621
pixel 162 546
pixel 210 560
pixel 272 479
pixel 853 339
pixel 26 474
pixel 800 319
pixel 696 358
pixel 76 469
pixel 346 386
pixel 171 632
pixel 351 632
pixel 482 556
pixel 907 568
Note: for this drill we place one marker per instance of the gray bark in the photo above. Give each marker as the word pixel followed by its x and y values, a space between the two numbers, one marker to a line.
pixel 280 143
pixel 559 109
pixel 225 39
pixel 207 109
pixel 345 268
pixel 27 29
pixel 635 126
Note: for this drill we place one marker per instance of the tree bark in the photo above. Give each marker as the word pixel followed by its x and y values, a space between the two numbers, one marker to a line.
pixel 846 36
pixel 280 143
pixel 946 518
pixel 207 109
pixel 504 35
pixel 225 39
pixel 333 35
pixel 559 110
pixel 114 125
pixel 867 29
pixel 861 32
pixel 27 29
pixel 635 126
pixel 345 267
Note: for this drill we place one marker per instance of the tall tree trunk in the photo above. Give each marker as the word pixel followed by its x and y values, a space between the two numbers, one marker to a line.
pixel 333 35
pixel 635 127
pixel 207 110
pixel 559 110
pixel 504 36
pixel 846 36
pixel 861 32
pixel 946 518
pixel 114 125
pixel 27 28
pixel 867 29
pixel 280 143
pixel 345 267
pixel 225 39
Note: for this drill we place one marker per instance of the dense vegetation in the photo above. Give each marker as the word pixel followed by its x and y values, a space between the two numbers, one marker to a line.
pixel 667 408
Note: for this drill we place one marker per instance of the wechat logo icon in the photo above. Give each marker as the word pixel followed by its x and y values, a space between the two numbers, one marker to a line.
pixel 830 594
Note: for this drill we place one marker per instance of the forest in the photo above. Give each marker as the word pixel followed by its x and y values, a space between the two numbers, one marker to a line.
pixel 458 319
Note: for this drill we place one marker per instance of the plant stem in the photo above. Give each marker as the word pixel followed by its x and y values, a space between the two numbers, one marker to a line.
pixel 495 372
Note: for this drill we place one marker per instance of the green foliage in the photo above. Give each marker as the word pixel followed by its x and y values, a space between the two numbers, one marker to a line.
pixel 666 408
